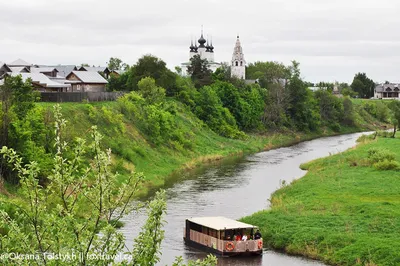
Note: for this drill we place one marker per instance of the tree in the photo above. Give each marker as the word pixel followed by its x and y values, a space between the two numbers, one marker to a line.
pixel 151 66
pixel 178 70
pixel 223 73
pixel 85 65
pixel 395 116
pixel 268 73
pixel 76 214
pixel 363 85
pixel 199 71
pixel 116 64
pixel 150 91
pixel 348 110
pixel 17 99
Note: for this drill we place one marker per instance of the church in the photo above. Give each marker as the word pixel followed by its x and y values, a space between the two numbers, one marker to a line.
pixel 205 50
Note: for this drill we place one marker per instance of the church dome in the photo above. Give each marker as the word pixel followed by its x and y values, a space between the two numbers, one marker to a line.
pixel 202 41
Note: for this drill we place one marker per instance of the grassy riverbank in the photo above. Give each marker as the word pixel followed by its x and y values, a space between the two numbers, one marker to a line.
pixel 343 212
pixel 132 149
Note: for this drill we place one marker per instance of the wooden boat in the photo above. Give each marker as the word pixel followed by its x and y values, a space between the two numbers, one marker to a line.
pixel 221 236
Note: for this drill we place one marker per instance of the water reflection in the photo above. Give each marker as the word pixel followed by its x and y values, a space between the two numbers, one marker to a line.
pixel 234 188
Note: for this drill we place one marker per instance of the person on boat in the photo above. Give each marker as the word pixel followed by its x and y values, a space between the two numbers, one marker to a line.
pixel 257 235
pixel 238 237
pixel 244 237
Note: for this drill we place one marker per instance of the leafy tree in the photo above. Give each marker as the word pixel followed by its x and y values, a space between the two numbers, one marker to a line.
pixel 348 118
pixel 118 82
pixel 150 91
pixel 199 71
pixel 395 117
pixel 348 92
pixel 268 73
pixel 85 65
pixel 178 70
pixel 116 64
pixel 223 73
pixel 363 85
pixel 151 66
pixel 18 100
pixel 77 212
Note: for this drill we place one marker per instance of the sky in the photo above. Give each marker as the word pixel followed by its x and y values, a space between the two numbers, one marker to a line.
pixel 332 39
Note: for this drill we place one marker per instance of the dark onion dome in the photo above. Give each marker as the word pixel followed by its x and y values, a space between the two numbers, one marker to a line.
pixel 211 48
pixel 192 47
pixel 195 48
pixel 202 41
pixel 208 48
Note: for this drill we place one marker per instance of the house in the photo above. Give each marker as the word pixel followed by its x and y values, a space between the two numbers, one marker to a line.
pixel 48 71
pixel 102 70
pixel 42 83
pixel 86 81
pixel 387 91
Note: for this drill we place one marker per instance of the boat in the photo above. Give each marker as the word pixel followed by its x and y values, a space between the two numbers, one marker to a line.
pixel 222 236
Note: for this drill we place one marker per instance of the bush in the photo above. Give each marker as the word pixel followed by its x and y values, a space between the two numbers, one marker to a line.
pixel 376 155
pixel 387 165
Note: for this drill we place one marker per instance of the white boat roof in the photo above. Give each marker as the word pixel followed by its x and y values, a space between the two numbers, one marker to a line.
pixel 220 223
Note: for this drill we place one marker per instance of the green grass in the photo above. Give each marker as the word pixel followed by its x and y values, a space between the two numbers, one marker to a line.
pixel 343 212
pixel 133 151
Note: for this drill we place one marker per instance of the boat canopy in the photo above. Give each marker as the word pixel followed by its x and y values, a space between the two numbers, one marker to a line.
pixel 220 223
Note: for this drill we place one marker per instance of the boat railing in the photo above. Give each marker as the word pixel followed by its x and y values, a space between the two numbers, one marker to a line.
pixel 226 245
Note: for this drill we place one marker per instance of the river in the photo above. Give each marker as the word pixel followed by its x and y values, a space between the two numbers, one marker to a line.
pixel 234 187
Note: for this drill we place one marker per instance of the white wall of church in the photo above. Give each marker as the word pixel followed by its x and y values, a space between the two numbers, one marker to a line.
pixel 238 71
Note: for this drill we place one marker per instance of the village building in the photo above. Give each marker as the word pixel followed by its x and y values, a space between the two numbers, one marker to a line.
pixel 238 64
pixel 387 91
pixel 102 70
pixel 205 50
pixel 42 83
pixel 86 81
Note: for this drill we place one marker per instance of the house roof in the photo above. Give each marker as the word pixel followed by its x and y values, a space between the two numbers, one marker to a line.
pixel 94 69
pixel 19 62
pixel 41 79
pixel 89 77
pixel 387 87
pixel 20 69
pixel 43 69
pixel 220 223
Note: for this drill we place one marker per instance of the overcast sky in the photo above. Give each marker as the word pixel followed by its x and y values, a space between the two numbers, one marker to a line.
pixel 332 39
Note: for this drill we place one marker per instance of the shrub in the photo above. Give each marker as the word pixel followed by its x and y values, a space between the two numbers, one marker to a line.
pixel 376 155
pixel 387 165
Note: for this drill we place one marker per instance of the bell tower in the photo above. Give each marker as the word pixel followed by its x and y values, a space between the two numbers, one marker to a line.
pixel 238 64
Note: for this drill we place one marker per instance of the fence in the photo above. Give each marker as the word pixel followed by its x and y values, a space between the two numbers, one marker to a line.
pixel 80 96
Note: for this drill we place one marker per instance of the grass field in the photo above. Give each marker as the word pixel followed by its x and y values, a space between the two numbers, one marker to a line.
pixel 343 212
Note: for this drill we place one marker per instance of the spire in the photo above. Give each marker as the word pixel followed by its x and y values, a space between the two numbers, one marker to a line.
pixel 208 48
pixel 191 46
pixel 202 41
pixel 211 46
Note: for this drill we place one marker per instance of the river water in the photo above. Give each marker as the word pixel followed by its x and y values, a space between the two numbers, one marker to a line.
pixel 234 188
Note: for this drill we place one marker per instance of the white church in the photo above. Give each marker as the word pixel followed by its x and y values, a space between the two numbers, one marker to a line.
pixel 205 50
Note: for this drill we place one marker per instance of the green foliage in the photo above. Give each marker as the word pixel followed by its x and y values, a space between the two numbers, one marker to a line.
pixel 363 85
pixel 118 82
pixel 116 64
pixel 338 213
pixel 348 111
pixel 331 109
pixel 150 91
pixel 267 72
pixel 199 71
pixel 387 165
pixel 209 108
pixel 151 66
pixel 77 211
pixel 223 73
pixel 376 155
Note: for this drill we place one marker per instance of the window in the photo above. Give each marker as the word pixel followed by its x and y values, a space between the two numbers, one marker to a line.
pixel 241 63
pixel 237 63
